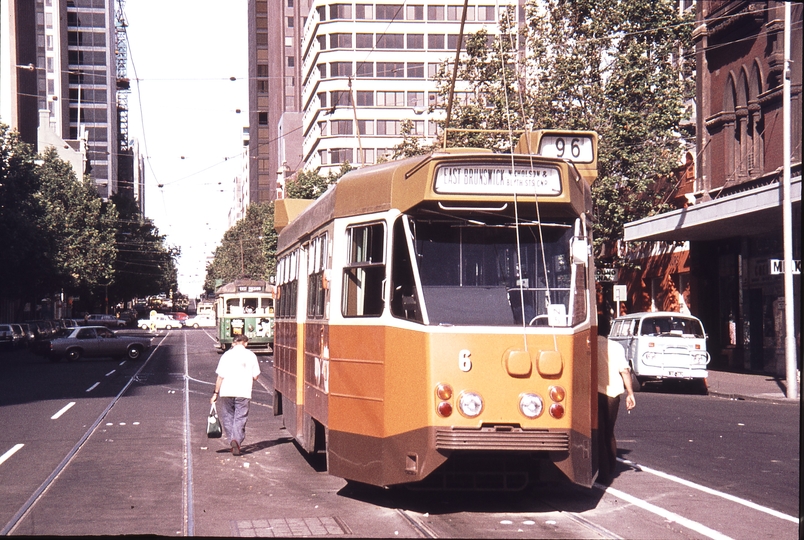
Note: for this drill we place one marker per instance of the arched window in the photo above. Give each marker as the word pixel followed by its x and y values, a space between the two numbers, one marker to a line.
pixel 743 135
pixel 756 123
pixel 731 135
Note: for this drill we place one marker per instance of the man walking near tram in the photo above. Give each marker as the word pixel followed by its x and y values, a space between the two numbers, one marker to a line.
pixel 237 370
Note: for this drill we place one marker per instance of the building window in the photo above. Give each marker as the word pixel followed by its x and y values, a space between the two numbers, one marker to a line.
pixel 365 98
pixel 435 41
pixel 290 22
pixel 391 69
pixel 485 13
pixel 341 127
pixel 341 155
pixel 389 12
pixel 341 98
pixel 340 41
pixel 389 127
pixel 322 70
pixel 366 127
pixel 454 13
pixel 364 41
pixel 432 70
pixel 415 13
pixel 340 69
pixel 291 61
pixel 364 11
pixel 340 11
pixel 322 42
pixel 452 42
pixel 365 69
pixel 415 70
pixel 415 41
pixel 390 99
pixel 261 39
pixel 390 41
pixel 263 118
pixel 322 99
pixel 415 99
pixel 435 13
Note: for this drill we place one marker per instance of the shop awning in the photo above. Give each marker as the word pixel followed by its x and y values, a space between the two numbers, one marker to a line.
pixel 753 212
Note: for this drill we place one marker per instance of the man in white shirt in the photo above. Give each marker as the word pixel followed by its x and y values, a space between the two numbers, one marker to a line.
pixel 613 378
pixel 237 370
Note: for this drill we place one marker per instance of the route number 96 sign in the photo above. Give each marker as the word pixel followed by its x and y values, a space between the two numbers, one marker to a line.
pixel 571 147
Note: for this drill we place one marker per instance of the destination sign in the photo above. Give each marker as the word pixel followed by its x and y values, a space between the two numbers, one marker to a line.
pixel 497 180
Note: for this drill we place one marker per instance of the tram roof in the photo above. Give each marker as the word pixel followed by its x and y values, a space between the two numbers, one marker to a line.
pixel 405 183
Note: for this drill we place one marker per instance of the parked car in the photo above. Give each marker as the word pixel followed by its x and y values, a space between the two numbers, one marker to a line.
pixel 100 319
pixel 7 338
pixel 29 333
pixel 160 321
pixel 179 315
pixel 94 342
pixel 200 321
pixel 129 316
pixel 663 346
pixel 20 337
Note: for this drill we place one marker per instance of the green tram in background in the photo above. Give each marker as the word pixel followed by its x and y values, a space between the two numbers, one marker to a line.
pixel 245 306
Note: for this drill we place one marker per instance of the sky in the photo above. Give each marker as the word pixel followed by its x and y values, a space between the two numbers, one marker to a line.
pixel 183 110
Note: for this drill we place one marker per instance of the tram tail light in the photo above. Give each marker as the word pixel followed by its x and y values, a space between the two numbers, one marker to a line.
pixel 557 410
pixel 557 393
pixel 444 408
pixel 444 392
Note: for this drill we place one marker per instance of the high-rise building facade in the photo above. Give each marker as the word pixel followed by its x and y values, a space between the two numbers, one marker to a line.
pixel 333 81
pixel 60 56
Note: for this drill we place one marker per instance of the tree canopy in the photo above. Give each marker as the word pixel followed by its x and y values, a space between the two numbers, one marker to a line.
pixel 60 237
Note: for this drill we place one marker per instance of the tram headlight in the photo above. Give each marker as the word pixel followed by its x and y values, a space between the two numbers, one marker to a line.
pixel 470 404
pixel 531 405
pixel 556 393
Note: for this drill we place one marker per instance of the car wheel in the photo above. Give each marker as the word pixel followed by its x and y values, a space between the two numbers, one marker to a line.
pixel 73 355
pixel 195 325
pixel 134 352
pixel 168 327
pixel 144 326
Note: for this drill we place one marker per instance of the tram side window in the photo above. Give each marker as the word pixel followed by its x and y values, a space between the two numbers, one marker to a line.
pixel 287 278
pixel 364 273
pixel 316 295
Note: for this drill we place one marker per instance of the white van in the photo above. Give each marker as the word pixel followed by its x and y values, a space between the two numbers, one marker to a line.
pixel 663 345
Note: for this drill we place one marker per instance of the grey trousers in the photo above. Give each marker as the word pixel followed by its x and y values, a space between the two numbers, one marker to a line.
pixel 234 414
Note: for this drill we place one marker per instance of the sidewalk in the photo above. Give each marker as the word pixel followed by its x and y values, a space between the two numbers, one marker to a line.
pixel 749 386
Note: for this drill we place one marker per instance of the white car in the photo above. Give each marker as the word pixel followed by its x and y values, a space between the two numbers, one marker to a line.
pixel 160 321
pixel 201 321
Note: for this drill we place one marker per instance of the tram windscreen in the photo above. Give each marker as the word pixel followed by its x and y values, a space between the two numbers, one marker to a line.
pixel 471 273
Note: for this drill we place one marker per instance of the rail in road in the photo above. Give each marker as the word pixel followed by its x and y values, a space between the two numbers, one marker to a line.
pixel 194 487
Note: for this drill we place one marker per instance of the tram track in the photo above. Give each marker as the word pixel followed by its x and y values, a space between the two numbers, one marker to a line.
pixel 23 511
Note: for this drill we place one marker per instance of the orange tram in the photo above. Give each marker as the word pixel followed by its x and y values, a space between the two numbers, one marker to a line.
pixel 436 315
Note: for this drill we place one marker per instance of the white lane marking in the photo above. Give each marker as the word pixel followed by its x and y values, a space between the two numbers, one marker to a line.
pixel 666 514
pixel 62 411
pixel 710 491
pixel 111 372
pixel 91 388
pixel 14 449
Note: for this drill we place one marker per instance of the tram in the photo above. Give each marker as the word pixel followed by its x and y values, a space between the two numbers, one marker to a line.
pixel 437 313
pixel 245 306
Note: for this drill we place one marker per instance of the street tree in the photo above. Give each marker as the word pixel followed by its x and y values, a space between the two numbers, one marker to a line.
pixel 80 227
pixel 25 268
pixel 145 264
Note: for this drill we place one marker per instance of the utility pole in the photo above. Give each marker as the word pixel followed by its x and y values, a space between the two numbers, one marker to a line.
pixel 791 364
